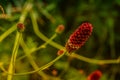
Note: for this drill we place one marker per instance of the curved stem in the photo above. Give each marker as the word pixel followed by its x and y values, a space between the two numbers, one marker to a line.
pixel 18 36
pixel 14 55
pixel 1 8
pixel 39 34
pixel 40 47
pixel 22 19
pixel 30 58
pixel 45 43
pixel 94 61
pixel 39 69
pixel 6 33
pixel 45 13
pixel 58 46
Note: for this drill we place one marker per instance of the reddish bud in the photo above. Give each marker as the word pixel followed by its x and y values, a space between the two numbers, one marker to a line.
pixel 81 71
pixel 60 52
pixel 79 37
pixel 20 27
pixel 96 75
pixel 60 28
pixel 54 72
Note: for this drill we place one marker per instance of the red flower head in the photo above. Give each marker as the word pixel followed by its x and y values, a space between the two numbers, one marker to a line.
pixel 79 37
pixel 96 75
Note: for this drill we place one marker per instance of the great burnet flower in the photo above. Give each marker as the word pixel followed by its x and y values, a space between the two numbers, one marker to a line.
pixel 79 37
pixel 96 75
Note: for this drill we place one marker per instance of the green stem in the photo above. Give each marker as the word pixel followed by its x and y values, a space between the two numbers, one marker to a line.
pixel 39 69
pixel 32 62
pixel 45 43
pixel 39 34
pixel 94 61
pixel 22 19
pixel 14 55
pixel 44 38
pixel 6 33
pixel 45 13
pixel 40 47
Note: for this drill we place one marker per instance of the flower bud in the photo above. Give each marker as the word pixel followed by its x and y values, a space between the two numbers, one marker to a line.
pixel 60 29
pixel 60 52
pixel 54 72
pixel 20 27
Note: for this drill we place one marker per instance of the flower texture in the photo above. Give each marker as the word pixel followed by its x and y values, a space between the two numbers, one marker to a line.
pixel 96 75
pixel 79 37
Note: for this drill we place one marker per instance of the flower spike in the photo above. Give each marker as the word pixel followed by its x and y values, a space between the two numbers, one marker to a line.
pixel 79 37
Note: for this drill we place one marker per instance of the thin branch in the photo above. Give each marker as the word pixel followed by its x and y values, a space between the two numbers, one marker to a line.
pixel 14 55
pixel 39 69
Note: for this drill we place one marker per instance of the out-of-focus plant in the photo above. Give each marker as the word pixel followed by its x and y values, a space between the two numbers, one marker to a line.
pixel 40 40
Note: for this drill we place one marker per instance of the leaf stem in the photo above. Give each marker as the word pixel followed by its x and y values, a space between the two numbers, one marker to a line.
pixel 38 33
pixel 11 68
pixel 39 69
pixel 28 6
pixel 94 61
pixel 30 58
pixel 40 47
pixel 58 46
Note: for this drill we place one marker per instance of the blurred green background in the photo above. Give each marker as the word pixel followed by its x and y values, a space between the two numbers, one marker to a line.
pixel 104 42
